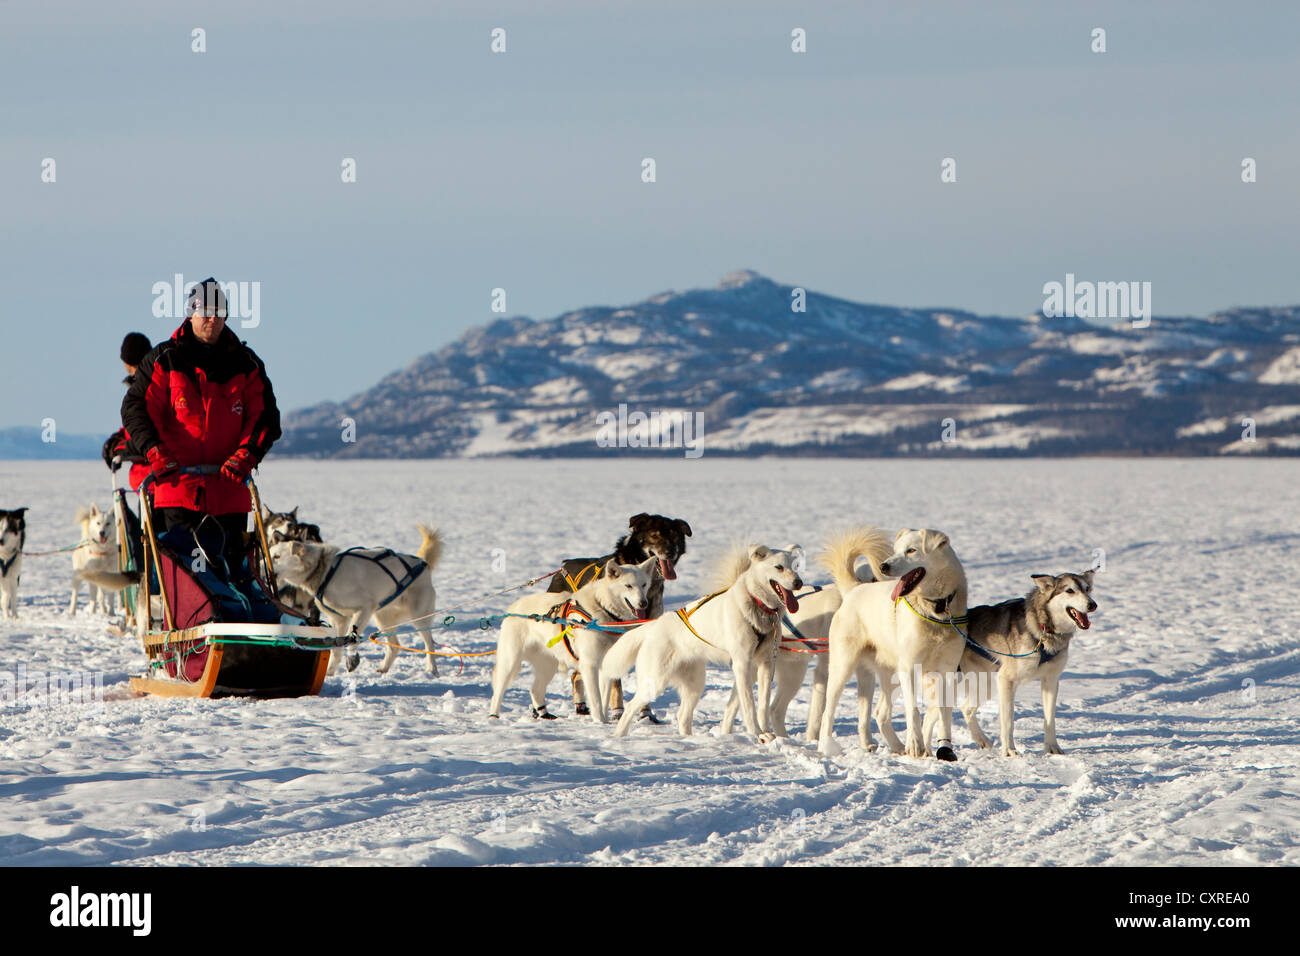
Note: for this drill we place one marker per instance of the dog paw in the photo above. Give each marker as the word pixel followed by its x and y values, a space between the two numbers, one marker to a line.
pixel 1008 752
pixel 869 748
pixel 766 738
pixel 1053 749
pixel 829 748
pixel 353 662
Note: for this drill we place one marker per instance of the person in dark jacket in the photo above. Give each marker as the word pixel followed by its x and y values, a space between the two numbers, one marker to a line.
pixel 118 446
pixel 202 397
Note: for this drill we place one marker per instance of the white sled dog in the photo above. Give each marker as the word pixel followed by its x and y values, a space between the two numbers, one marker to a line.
pixel 737 627
pixel 621 593
pixel 350 587
pixel 95 560
pixel 893 631
pixel 13 536
pixel 805 633
pixel 1027 639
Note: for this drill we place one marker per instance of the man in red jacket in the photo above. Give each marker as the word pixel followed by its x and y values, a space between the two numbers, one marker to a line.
pixel 202 398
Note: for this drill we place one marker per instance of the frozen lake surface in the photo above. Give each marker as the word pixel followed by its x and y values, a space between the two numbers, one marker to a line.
pixel 1180 718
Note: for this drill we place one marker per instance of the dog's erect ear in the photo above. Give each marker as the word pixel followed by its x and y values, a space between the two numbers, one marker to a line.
pixel 901 531
pixel 932 540
pixel 297 549
pixel 266 513
pixel 650 565
pixel 637 521
pixel 686 529
pixel 293 515
pixel 1045 582
pixel 611 569
pixel 94 510
pixel 1086 578
pixel 758 552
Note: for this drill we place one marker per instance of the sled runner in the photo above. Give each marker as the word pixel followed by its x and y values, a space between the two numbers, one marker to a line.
pixel 210 630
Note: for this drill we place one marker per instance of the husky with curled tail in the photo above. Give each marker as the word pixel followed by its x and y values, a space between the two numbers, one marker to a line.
pixel 804 634
pixel 736 627
pixel 897 632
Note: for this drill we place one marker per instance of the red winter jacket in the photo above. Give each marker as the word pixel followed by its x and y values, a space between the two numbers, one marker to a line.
pixel 201 403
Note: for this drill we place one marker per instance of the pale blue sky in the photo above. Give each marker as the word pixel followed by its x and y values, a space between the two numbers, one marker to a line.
pixel 522 170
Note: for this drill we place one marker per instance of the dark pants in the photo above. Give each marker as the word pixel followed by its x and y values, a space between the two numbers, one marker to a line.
pixel 230 527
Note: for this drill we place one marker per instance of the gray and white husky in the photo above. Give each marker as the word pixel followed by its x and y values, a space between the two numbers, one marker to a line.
pixel 285 526
pixel 356 582
pixel 13 536
pixel 95 560
pixel 1023 640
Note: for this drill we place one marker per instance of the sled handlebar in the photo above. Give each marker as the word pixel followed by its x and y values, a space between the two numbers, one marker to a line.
pixel 187 470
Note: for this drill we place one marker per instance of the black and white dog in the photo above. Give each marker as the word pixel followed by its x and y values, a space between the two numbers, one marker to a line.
pixel 13 536
pixel 649 536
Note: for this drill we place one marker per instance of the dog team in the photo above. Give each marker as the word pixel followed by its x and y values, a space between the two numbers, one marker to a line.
pixel 895 615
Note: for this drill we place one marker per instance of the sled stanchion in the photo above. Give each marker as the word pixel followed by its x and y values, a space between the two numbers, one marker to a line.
pixel 261 534
pixel 151 542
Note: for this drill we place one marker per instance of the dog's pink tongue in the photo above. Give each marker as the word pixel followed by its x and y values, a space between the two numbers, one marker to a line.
pixel 906 583
pixel 791 602
pixel 666 570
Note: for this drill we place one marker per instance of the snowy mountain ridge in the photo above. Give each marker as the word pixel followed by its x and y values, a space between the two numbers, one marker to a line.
pixel 839 378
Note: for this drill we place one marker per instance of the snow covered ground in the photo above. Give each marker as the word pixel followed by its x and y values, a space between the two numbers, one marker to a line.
pixel 1180 716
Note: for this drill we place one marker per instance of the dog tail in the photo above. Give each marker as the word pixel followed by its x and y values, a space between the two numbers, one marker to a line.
pixel 83 515
pixel 430 546
pixel 844 549
pixel 733 564
pixel 109 580
pixel 620 658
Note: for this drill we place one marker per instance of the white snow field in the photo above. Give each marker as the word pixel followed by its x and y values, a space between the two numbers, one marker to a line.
pixel 1180 718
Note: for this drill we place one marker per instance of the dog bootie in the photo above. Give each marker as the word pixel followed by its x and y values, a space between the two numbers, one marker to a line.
pixel 581 709
pixel 944 751
pixel 353 662
pixel 649 715
pixel 541 713
pixel 616 713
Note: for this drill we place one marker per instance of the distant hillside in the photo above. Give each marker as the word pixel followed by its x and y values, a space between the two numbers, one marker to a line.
pixel 24 444
pixel 841 379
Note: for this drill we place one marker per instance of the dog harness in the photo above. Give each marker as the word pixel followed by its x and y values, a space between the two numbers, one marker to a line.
pixel 575 581
pixel 985 652
pixel 411 571
pixel 808 642
pixel 561 612
pixel 685 613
